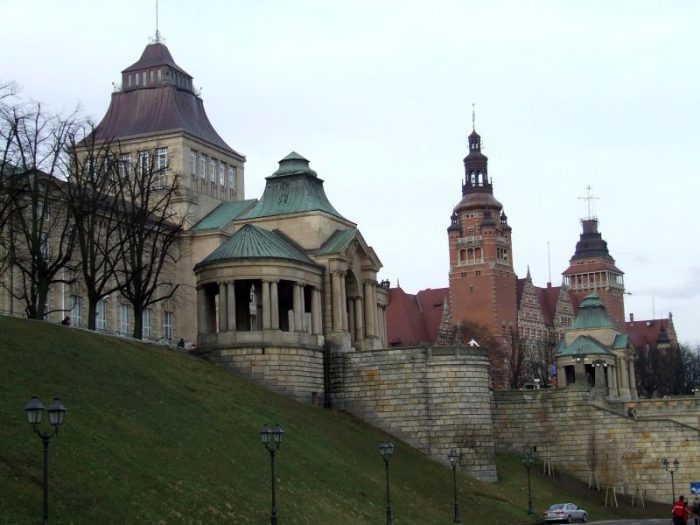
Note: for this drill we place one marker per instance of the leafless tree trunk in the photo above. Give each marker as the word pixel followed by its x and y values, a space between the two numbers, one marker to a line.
pixel 92 198
pixel 38 231
pixel 149 232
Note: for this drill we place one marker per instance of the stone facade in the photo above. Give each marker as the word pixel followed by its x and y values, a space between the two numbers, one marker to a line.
pixel 435 399
pixel 576 431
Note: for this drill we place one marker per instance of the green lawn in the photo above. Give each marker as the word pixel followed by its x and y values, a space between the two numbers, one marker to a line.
pixel 156 436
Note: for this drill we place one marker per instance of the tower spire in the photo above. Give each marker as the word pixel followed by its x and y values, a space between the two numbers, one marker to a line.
pixel 588 198
pixel 157 38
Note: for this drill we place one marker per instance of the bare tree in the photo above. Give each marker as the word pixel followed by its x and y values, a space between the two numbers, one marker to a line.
pixel 38 232
pixel 95 210
pixel 150 227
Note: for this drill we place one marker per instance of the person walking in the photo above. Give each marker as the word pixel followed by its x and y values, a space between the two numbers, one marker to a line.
pixel 695 509
pixel 680 512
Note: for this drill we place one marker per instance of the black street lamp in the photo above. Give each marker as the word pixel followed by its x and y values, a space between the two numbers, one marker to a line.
pixel 272 439
pixel 671 467
pixel 454 460
pixel 35 410
pixel 528 461
pixel 386 449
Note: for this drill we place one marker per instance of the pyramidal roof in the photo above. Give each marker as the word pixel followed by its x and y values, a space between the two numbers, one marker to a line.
pixel 293 188
pixel 157 96
pixel 252 242
pixel 592 314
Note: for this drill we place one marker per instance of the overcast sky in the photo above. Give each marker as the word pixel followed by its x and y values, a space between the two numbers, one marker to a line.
pixel 378 95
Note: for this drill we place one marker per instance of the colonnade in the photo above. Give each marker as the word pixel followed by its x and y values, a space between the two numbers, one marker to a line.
pixel 618 379
pixel 358 314
pixel 270 303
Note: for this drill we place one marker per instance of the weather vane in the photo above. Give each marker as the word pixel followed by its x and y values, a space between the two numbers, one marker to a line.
pixel 588 198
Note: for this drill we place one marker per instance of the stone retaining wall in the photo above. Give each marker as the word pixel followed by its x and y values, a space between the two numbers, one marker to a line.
pixel 576 430
pixel 296 372
pixel 434 399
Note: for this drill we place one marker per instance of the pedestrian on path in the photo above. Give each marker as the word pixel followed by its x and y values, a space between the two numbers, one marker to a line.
pixel 680 512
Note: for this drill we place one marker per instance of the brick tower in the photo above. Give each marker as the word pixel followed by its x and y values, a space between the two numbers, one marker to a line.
pixel 592 269
pixel 482 279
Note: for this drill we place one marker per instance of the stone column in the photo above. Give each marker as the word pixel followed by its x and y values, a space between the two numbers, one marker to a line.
pixel 359 328
pixel 624 378
pixel 615 383
pixel 350 308
pixel 266 305
pixel 561 376
pixel 370 307
pixel 344 302
pixel 274 307
pixel 202 324
pixel 600 377
pixel 231 305
pixel 633 380
pixel 337 302
pixel 297 305
pixel 316 312
pixel 223 311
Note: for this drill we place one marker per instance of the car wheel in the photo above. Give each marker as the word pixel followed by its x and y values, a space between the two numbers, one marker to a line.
pixel 584 518
pixel 568 519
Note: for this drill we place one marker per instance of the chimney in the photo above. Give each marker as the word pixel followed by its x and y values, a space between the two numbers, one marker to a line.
pixel 631 317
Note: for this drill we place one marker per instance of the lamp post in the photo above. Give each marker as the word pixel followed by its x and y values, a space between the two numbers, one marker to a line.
pixel 671 467
pixel 272 439
pixel 528 461
pixel 386 449
pixel 454 460
pixel 35 410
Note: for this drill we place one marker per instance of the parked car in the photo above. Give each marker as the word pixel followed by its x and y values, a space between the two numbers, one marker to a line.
pixel 565 512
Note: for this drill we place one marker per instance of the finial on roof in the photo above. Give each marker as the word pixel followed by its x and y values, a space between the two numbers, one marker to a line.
pixel 157 39
pixel 473 117
pixel 528 272
pixel 398 284
pixel 588 198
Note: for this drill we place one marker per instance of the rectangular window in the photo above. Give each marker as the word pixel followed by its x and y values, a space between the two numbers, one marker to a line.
pixel 143 162
pixel 129 77
pixel 160 75
pixel 152 74
pixel 123 315
pixel 232 177
pixel 212 170
pixel 125 162
pixel 193 162
pixel 147 318
pixel 168 325
pixel 101 315
pixel 44 244
pixel 222 173
pixel 144 78
pixel 203 168
pixel 162 166
pixel 76 305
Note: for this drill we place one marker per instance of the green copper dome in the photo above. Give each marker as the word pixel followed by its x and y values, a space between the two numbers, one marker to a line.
pixel 592 314
pixel 293 188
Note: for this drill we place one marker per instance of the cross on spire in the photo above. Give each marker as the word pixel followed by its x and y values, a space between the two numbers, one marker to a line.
pixel 588 198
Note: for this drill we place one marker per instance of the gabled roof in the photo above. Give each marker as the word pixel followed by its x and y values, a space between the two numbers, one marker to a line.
pixel 646 332
pixel 293 188
pixel 404 320
pixel 583 345
pixel 414 319
pixel 251 243
pixel 337 242
pixel 223 214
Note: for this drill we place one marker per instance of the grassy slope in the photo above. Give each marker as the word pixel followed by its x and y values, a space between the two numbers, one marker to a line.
pixel 155 436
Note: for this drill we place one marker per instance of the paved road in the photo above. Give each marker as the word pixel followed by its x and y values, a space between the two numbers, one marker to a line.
pixel 633 522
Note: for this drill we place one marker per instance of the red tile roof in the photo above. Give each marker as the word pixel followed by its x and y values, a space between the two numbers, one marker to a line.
pixel 414 319
pixel 645 332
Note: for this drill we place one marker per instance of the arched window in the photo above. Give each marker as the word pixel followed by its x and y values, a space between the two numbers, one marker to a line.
pixel 477 253
pixel 462 255
pixel 470 254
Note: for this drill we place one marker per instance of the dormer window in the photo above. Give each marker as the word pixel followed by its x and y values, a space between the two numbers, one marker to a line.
pixel 160 75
